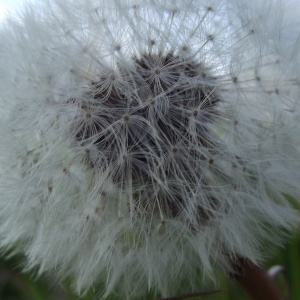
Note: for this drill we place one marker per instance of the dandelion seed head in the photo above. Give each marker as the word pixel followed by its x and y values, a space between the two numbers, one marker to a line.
pixel 147 143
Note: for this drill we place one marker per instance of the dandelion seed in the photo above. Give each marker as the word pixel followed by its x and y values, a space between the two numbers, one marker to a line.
pixel 146 143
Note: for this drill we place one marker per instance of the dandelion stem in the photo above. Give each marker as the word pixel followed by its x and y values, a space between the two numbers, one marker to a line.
pixel 257 282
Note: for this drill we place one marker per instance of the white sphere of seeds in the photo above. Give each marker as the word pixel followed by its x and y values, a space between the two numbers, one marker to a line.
pixel 146 143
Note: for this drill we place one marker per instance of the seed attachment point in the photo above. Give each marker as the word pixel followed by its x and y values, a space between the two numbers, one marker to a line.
pixel 112 77
pixel 174 149
pixel 152 42
pixel 234 79
pixel 156 71
pixel 184 48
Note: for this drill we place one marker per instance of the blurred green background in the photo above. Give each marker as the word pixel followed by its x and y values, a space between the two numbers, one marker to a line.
pixel 15 285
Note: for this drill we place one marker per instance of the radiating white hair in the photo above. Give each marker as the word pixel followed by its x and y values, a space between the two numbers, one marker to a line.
pixel 145 143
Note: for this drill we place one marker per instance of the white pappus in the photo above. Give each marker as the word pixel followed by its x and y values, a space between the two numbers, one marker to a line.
pixel 145 143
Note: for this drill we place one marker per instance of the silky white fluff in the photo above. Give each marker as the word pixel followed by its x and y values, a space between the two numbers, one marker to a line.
pixel 146 143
